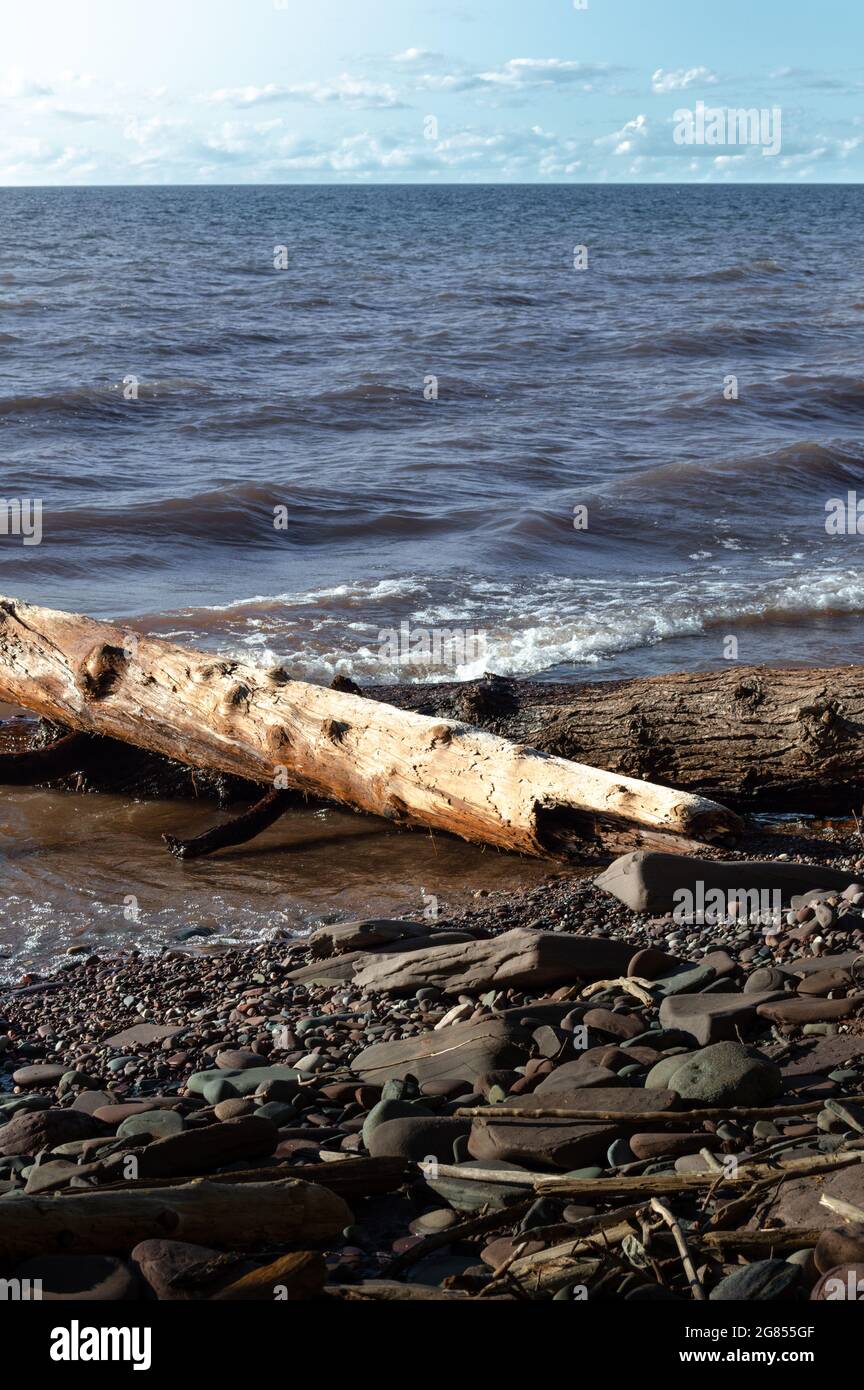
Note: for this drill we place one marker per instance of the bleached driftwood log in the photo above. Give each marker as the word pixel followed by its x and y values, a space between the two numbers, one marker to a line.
pixel 233 717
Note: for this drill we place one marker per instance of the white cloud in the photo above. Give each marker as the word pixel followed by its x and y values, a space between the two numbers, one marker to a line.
pixel 682 79
pixel 346 90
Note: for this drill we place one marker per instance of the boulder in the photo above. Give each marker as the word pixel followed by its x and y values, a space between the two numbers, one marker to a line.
pixel 416 1138
pixel 647 880
pixel 518 959
pixel 726 1074
pixel 34 1130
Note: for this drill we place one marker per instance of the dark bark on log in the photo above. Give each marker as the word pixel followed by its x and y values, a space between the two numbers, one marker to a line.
pixel 236 831
pixel 748 735
pixel 35 766
pixel 238 1217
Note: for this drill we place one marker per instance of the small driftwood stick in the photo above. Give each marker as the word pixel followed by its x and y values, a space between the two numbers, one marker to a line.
pixel 847 1210
pixel 236 831
pixel 758 1242
pixel 497 1113
pixel 693 1279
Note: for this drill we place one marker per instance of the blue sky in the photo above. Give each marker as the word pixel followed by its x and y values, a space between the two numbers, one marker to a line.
pixel 333 91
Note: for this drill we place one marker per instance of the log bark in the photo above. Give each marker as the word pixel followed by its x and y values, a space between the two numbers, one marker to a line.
pixel 754 736
pixel 231 1217
pixel 219 714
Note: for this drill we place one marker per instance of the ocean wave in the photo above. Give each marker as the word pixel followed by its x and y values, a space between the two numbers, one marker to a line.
pixel 523 626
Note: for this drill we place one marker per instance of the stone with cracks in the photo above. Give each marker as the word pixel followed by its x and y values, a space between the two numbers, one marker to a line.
pixel 519 959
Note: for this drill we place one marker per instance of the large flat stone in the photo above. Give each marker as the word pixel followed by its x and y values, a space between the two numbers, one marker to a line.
pixel 647 881
pixel 564 1089
pixel 338 969
pixel 519 959
pixel 555 1144
pixel 462 1052
pixel 822 1056
pixel 143 1034
pixel 799 1009
pixel 338 938
pixel 710 1018
pixel 798 1199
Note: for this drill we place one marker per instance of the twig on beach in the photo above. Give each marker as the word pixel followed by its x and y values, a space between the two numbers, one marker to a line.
pixel 678 1235
pixel 636 1117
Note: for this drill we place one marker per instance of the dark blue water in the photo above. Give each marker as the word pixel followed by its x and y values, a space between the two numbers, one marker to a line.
pixel 303 389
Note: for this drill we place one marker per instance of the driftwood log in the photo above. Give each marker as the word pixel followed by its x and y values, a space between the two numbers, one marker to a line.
pixel 260 725
pixel 230 1217
pixel 754 736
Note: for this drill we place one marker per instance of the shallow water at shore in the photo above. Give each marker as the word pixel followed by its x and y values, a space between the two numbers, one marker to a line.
pixel 77 870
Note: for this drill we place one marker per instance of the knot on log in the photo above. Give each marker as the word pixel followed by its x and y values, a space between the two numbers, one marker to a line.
pixel 335 730
pixel 650 757
pixel 486 701
pixel 749 692
pixel 345 685
pixel 823 726
pixel 278 676
pixel 442 733
pixel 101 669
pixel 238 695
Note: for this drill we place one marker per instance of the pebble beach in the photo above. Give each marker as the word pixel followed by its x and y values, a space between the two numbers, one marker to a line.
pixel 549 1095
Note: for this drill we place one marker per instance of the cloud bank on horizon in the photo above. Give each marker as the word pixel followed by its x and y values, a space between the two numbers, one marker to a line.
pixel 281 91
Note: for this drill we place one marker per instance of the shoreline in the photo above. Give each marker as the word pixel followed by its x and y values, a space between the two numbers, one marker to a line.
pixel 178 1096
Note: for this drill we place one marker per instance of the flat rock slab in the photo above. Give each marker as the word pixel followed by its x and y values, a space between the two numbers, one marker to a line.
pixel 798 1200
pixel 142 1034
pixel 519 959
pixel 799 1010
pixel 555 1144
pixel 823 1056
pixel 647 881
pixel 340 937
pixel 41 1074
pixel 339 969
pixel 710 1018
pixel 462 1052
pixel 809 965
pixel 564 1089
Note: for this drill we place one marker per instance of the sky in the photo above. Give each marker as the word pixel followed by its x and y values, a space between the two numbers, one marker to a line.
pixel 429 91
